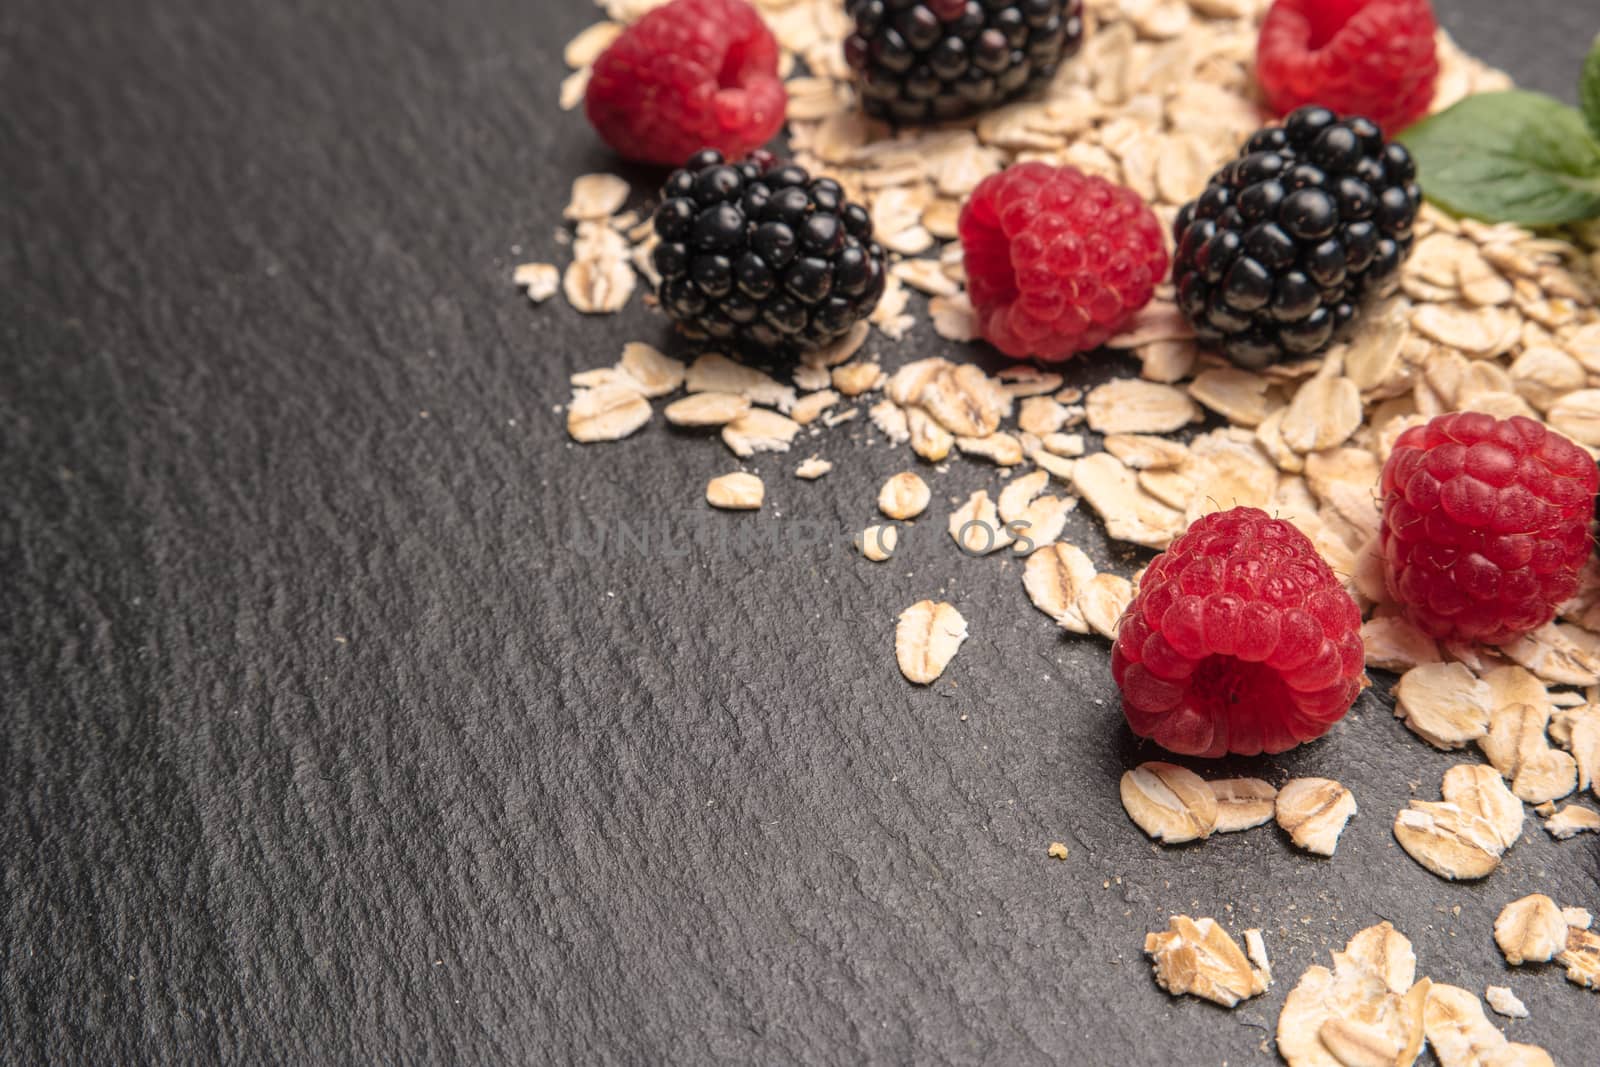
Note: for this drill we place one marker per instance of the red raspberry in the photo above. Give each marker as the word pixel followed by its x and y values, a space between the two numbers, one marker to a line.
pixel 1485 524
pixel 693 74
pixel 1240 640
pixel 1360 57
pixel 1057 261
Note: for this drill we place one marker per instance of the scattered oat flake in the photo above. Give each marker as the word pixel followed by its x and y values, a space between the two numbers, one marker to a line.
pixel 759 430
pixel 1394 643
pixel 853 379
pixel 607 413
pixel 1132 405
pixel 1505 1002
pixel 539 280
pixel 1143 452
pixel 965 401
pixel 657 374
pixel 1554 654
pixel 1443 703
pixel 927 276
pixel 1237 395
pixel 907 384
pixel 1581 958
pixel 1571 821
pixel 573 86
pixel 904 496
pixel 1313 811
pixel 716 373
pixel 810 407
pixel 1462 1036
pixel 1581 736
pixel 926 640
pixel 1366 1010
pixel 1024 379
pixel 738 491
pixel 929 440
pixel 1000 448
pixel 890 419
pixel 976 527
pixel 1324 413
pixel 1169 803
pixel 812 467
pixel 1041 415
pixel 1197 956
pixel 1104 601
pixel 706 409
pixel 878 542
pixel 596 196
pixel 1056 578
pixel 1019 493
pixel 1480 791
pixel 1243 803
pixel 1068 445
pixel 1158 320
pixel 1452 843
pixel 586 47
pixel 1517 747
pixel 953 318
pixel 1129 513
pixel 598 285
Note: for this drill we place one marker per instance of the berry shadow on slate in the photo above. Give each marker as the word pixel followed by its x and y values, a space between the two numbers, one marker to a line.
pixel 1279 255
pixel 762 255
pixel 928 60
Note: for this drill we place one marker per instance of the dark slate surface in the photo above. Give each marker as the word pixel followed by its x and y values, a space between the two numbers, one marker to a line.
pixel 328 739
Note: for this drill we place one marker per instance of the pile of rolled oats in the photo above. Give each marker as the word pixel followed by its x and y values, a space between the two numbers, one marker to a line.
pixel 1490 318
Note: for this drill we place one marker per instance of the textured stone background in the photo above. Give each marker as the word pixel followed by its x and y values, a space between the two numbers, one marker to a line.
pixel 324 738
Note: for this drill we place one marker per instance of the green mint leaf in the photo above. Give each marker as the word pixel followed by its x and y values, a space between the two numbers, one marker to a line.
pixel 1509 157
pixel 1589 88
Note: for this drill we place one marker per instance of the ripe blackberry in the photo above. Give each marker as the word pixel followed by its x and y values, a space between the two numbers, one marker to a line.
pixel 1279 254
pixel 765 254
pixel 919 60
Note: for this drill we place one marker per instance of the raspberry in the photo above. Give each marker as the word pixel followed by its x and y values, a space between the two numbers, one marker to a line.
pixel 1358 57
pixel 1240 640
pixel 1057 261
pixel 1485 524
pixel 760 253
pixel 939 59
pixel 693 74
pixel 1289 241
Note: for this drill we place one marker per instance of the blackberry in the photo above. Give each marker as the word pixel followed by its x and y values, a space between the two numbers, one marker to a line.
pixel 919 60
pixel 1288 242
pixel 765 254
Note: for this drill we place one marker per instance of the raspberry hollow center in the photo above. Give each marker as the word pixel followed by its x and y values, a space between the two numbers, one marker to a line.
pixel 1230 690
pixel 731 74
pixel 1328 17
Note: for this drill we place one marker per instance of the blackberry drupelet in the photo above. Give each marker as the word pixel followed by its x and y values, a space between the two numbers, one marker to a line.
pixel 764 254
pixel 919 60
pixel 1288 242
